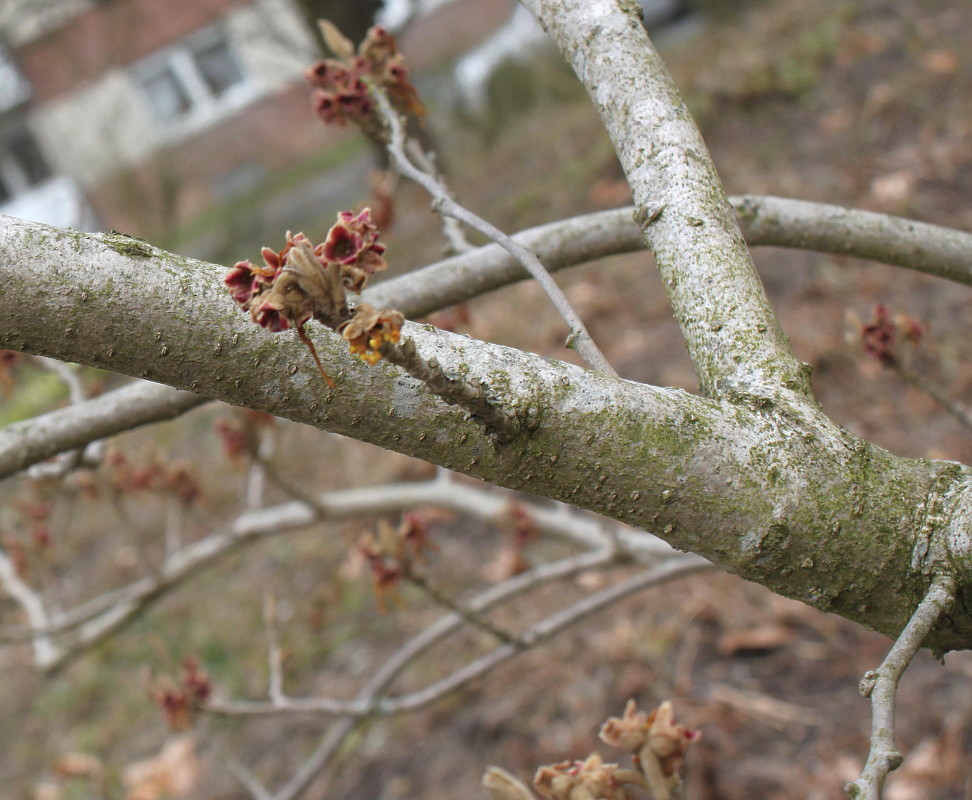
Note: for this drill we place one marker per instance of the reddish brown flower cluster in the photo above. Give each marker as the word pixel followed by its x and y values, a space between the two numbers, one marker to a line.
pixel 305 281
pixel 180 703
pixel 391 553
pixel 341 93
pixel 882 335
pixel 175 478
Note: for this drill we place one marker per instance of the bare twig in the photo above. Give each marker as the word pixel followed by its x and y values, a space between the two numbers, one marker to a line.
pixel 45 651
pixel 451 227
pixel 369 701
pixel 96 619
pixel 468 614
pixel 274 653
pixel 372 703
pixel 881 686
pixel 579 338
pixel 141 403
pixel 248 780
pixel 85 455
pixel 959 412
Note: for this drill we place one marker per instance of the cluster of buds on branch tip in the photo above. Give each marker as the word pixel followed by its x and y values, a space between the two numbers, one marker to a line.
pixel 883 334
pixel 392 553
pixel 176 477
pixel 657 746
pixel 341 85
pixel 306 281
pixel 179 703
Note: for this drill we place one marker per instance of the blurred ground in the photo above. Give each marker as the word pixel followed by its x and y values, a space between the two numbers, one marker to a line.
pixel 865 103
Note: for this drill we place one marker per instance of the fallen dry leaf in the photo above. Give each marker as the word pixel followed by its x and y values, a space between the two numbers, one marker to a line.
pixel 170 775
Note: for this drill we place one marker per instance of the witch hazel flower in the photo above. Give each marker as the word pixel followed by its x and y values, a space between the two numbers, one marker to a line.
pixel 304 281
pixel 341 91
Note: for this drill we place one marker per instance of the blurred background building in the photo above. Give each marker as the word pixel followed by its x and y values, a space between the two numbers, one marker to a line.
pixel 188 122
pixel 133 113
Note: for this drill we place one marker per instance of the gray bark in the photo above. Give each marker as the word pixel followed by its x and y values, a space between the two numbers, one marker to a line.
pixel 753 476
pixel 770 489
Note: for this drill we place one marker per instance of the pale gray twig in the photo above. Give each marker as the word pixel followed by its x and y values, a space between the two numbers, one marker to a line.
pixel 579 338
pixel 25 443
pixel 959 412
pixel 95 619
pixel 274 653
pixel 881 686
pixel 45 651
pixel 370 702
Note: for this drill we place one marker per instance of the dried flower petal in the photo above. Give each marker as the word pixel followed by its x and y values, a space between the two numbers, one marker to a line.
pixel 657 743
pixel 369 329
pixel 580 780
pixel 503 786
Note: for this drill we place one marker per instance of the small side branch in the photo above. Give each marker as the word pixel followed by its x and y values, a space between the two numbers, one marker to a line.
pixel 579 337
pixel 469 394
pixel 45 651
pixel 959 412
pixel 882 687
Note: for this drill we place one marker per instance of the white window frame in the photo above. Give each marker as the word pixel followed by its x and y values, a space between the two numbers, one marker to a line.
pixel 205 108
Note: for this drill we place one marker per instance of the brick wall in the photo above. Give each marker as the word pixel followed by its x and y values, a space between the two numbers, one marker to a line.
pixel 110 35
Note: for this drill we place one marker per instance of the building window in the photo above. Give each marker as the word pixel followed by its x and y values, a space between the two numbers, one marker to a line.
pixel 22 165
pixel 193 81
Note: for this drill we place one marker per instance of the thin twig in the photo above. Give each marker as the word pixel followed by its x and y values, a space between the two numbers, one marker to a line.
pixel 579 338
pixel 372 703
pixel 469 615
pixel 959 412
pixel 249 781
pixel 94 620
pixel 367 702
pixel 45 651
pixel 881 686
pixel 451 227
pixel 274 653
pixel 85 455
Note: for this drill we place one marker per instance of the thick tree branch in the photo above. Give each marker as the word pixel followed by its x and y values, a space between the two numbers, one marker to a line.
pixel 776 493
pixel 731 331
pixel 765 220
pixel 25 443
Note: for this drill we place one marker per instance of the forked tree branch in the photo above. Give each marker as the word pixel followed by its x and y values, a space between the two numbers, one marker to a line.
pixel 882 687
pixel 765 221
pixel 731 479
pixel 580 339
